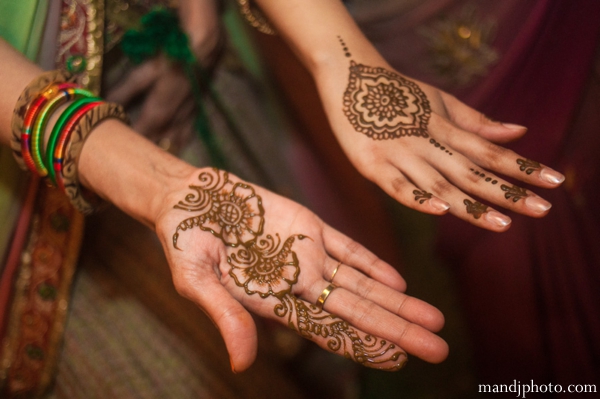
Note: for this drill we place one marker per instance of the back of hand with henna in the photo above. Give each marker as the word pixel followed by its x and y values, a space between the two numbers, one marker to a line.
pixel 265 265
pixel 383 105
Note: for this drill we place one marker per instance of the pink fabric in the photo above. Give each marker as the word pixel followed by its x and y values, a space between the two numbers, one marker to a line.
pixel 531 295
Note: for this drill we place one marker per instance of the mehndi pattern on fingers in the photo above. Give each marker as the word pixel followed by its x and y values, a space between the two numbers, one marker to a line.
pixel 382 104
pixel 482 175
pixel 514 192
pixel 475 208
pixel 268 266
pixel 436 144
pixel 422 196
pixel 528 166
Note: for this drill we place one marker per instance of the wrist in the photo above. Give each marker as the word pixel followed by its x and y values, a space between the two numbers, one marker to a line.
pixel 129 171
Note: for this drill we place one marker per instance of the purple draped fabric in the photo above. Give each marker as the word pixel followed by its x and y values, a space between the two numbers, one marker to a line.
pixel 532 294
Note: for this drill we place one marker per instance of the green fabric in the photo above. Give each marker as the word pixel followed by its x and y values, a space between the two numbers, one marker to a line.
pixel 22 25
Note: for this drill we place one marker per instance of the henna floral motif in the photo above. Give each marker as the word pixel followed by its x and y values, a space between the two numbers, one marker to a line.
pixel 383 105
pixel 265 268
pixel 234 215
pixel 475 208
pixel 528 166
pixel 422 195
pixel 514 192
pixel 269 267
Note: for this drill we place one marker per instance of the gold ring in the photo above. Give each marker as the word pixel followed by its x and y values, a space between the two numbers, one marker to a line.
pixel 324 295
pixel 335 271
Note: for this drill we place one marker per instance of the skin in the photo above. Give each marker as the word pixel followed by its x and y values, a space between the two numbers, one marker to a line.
pixel 147 182
pixel 313 29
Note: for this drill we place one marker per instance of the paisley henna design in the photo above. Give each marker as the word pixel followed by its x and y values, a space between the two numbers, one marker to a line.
pixel 528 166
pixel 514 192
pixel 487 179
pixel 269 267
pixel 475 208
pixel 422 196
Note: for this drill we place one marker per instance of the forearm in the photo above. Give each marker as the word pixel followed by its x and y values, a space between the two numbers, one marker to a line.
pixel 116 163
pixel 129 171
pixel 312 28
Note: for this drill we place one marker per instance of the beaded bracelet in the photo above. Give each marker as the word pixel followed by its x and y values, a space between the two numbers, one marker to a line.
pixel 62 96
pixel 25 102
pixel 255 18
pixel 56 132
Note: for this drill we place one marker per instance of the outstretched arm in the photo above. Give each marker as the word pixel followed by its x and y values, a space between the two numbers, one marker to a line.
pixel 234 247
pixel 422 146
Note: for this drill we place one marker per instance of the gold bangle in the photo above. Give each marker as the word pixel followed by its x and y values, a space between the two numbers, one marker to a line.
pixel 255 18
pixel 324 295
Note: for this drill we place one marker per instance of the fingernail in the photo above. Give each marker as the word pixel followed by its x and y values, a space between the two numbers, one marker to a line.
pixel 497 218
pixel 537 204
pixel 551 176
pixel 439 204
pixel 512 126
pixel 232 366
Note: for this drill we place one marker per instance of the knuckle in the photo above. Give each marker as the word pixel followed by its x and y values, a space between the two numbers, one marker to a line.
pixel 495 154
pixel 365 310
pixel 398 184
pixel 442 188
pixel 364 287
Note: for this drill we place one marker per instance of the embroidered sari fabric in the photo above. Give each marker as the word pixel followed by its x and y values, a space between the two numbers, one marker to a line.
pixel 530 294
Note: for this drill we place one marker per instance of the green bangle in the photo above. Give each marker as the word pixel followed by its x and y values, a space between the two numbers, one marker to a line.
pixel 56 132
pixel 42 119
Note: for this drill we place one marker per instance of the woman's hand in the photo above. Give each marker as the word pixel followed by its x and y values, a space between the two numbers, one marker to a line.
pixel 233 246
pixel 428 150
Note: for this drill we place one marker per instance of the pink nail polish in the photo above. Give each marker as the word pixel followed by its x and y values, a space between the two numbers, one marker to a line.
pixel 497 218
pixel 439 204
pixel 512 126
pixel 537 204
pixel 551 176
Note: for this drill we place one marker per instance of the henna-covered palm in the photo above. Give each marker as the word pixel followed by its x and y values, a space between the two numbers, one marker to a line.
pixel 233 246
pixel 410 137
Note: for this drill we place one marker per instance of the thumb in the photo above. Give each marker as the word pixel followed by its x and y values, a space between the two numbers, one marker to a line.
pixel 233 321
pixel 473 121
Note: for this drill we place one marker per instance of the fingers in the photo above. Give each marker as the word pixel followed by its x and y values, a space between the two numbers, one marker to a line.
pixel 396 185
pixel 351 252
pixel 235 324
pixel 493 157
pixel 407 307
pixel 470 120
pixel 370 317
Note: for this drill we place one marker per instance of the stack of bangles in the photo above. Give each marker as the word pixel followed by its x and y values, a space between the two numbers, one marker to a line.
pixel 53 153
